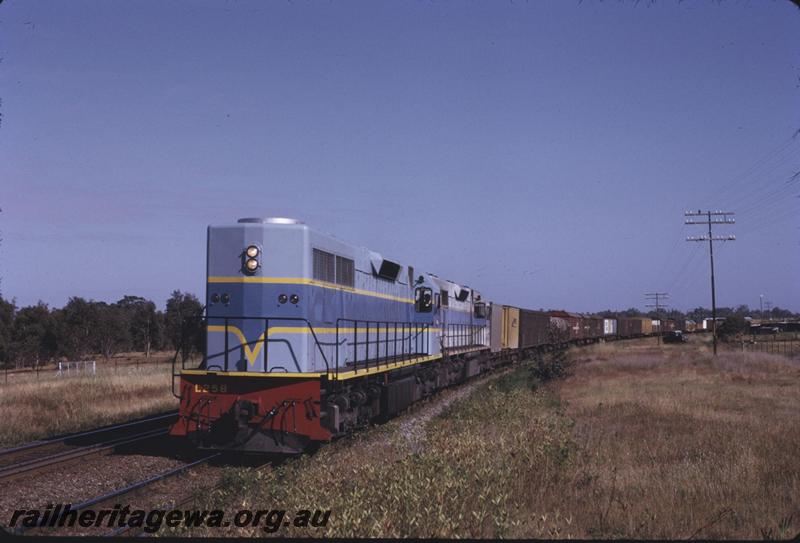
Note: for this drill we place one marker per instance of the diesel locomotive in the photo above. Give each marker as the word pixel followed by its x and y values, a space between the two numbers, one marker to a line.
pixel 308 338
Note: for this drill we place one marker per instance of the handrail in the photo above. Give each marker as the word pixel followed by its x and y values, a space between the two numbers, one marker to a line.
pixel 265 339
pixel 401 340
pixel 414 339
pixel 460 335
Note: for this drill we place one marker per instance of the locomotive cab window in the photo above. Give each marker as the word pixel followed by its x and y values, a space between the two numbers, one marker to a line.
pixel 423 300
pixel 480 310
pixel 444 297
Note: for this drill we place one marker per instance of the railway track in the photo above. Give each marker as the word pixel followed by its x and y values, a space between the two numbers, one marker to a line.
pixel 110 499
pixel 41 455
pixel 142 495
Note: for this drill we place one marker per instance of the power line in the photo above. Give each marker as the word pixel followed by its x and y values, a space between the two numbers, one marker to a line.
pixel 774 221
pixel 730 192
pixel 719 217
pixel 679 278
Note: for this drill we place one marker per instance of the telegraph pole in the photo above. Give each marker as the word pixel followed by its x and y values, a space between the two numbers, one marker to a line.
pixel 657 297
pixel 719 217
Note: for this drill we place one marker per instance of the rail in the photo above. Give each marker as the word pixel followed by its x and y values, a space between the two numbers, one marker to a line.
pixel 66 449
pixel 113 496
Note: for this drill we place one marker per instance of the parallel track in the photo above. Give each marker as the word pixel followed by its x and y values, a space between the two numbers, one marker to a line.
pixel 40 455
pixel 108 500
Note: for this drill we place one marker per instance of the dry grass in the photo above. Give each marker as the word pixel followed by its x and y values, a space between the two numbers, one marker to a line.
pixel 464 480
pixel 640 442
pixel 673 443
pixel 35 407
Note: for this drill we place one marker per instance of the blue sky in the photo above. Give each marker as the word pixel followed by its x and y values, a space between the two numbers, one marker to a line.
pixel 542 152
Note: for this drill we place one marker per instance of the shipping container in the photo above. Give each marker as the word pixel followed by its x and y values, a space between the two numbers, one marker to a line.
pixel 592 327
pixel 634 326
pixel 510 334
pixel 627 327
pixel 534 328
pixel 496 327
pixel 575 321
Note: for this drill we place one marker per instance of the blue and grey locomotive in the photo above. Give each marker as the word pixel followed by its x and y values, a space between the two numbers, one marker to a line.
pixel 308 338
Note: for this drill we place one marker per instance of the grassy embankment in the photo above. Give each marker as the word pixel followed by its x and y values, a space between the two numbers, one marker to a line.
pixel 39 406
pixel 640 442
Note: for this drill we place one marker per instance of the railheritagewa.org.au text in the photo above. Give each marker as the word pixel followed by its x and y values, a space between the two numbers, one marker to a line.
pixel 269 520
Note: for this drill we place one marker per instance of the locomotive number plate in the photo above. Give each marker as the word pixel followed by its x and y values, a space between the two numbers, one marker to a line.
pixel 214 388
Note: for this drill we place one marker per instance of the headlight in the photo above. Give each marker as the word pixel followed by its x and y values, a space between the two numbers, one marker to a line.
pixel 252 251
pixel 251 264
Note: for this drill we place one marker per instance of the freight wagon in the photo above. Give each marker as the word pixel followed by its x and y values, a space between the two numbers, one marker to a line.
pixel 570 323
pixel 609 327
pixel 634 326
pixel 534 328
pixel 504 323
pixel 592 327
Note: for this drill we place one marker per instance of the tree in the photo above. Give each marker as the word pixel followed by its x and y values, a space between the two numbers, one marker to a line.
pixel 630 312
pixel 675 314
pixel 558 332
pixel 698 314
pixel 184 325
pixel 33 336
pixel 77 323
pixel 725 312
pixel 7 311
pixel 731 326
pixel 779 313
pixel 145 326
pixel 111 331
